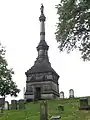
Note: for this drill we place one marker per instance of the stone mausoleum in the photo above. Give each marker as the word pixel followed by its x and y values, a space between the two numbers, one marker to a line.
pixel 42 80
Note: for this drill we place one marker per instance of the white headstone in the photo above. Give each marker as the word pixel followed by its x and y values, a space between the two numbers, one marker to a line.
pixel 6 105
pixel 61 94
pixel 71 93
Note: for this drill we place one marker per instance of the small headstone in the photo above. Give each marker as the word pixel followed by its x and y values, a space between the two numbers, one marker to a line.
pixel 21 104
pixel 14 104
pixel 43 111
pixel 24 93
pixel 55 117
pixel 71 93
pixel 62 94
pixel 2 101
pixel 84 104
pixel 6 105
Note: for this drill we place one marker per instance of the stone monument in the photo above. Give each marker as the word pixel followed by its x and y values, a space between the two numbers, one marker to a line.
pixel 42 80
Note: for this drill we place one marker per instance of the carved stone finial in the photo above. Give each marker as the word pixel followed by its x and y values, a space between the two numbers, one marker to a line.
pixel 42 8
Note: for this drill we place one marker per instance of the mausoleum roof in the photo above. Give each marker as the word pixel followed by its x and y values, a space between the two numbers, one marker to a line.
pixel 41 67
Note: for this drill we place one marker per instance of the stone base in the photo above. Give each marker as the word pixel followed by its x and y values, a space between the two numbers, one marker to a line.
pixel 85 107
pixel 43 97
pixel 47 96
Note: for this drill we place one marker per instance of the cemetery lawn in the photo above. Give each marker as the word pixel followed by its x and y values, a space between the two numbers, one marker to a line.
pixel 32 111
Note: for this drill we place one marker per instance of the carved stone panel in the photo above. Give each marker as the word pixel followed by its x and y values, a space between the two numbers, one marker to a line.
pixel 46 87
pixel 54 87
pixel 29 88
pixel 49 77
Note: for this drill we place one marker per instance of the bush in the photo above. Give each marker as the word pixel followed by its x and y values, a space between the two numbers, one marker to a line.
pixel 60 108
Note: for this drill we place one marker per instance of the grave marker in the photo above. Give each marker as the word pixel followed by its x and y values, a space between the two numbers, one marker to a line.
pixel 62 94
pixel 14 104
pixel 2 101
pixel 6 105
pixel 21 104
pixel 84 104
pixel 43 111
pixel 71 93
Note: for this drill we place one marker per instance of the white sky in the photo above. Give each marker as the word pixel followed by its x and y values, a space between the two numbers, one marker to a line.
pixel 20 34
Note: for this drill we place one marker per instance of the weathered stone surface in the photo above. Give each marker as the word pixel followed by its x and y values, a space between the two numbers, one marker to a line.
pixel 46 90
pixel 43 111
pixel 21 104
pixel 84 104
pixel 6 105
pixel 13 104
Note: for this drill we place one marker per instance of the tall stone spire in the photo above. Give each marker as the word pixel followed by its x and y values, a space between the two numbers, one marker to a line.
pixel 42 19
pixel 42 47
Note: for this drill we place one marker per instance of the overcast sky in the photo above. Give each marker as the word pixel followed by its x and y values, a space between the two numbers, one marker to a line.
pixel 20 34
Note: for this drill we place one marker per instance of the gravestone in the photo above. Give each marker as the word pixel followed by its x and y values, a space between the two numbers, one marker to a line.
pixel 24 93
pixel 71 93
pixel 84 104
pixel 43 111
pixel 62 94
pixel 21 104
pixel 6 105
pixel 14 104
pixel 2 101
pixel 55 117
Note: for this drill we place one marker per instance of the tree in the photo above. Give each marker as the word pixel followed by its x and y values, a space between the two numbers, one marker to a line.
pixel 7 86
pixel 73 28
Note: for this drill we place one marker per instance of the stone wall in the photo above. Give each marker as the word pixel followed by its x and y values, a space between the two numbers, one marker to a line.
pixel 45 86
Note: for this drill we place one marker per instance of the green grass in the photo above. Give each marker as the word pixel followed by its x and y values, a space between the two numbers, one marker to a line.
pixel 32 111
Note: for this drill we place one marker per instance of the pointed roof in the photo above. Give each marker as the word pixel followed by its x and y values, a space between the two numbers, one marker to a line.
pixel 42 67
